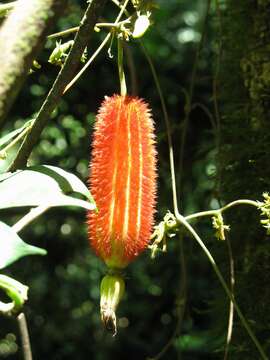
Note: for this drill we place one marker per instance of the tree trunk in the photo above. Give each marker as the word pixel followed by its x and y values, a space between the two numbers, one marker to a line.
pixel 244 160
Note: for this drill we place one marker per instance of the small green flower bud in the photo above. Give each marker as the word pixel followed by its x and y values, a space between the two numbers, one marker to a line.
pixel 60 52
pixel 112 289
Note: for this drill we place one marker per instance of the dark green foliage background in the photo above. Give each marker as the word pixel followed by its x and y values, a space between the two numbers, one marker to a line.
pixel 63 306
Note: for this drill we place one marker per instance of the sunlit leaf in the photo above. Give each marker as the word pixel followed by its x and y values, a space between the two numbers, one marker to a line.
pixel 13 248
pixel 43 185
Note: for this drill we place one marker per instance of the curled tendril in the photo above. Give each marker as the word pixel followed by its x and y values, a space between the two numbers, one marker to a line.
pixel 16 291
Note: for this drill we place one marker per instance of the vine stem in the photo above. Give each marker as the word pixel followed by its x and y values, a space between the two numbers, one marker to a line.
pixel 183 221
pixel 226 207
pixel 26 345
pixel 168 126
pixel 174 192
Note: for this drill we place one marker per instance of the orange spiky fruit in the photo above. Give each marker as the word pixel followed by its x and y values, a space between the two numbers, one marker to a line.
pixel 122 180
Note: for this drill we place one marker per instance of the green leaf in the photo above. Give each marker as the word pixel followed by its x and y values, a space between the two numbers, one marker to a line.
pixel 13 248
pixel 5 139
pixel 43 185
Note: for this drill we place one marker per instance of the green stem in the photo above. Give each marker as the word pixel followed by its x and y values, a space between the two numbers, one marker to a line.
pixel 113 25
pixel 63 33
pixel 226 207
pixel 123 86
pixel 184 222
pixel 76 28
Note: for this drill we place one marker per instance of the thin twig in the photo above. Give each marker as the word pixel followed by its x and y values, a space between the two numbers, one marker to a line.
pixel 26 345
pixel 220 210
pixel 168 127
pixel 76 28
pixel 117 3
pixel 113 25
pixel 182 294
pixel 104 42
pixel 89 62
pixel 64 32
pixel 65 75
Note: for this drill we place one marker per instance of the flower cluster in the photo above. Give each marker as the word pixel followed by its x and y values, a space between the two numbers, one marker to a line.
pixel 265 212
pixel 219 226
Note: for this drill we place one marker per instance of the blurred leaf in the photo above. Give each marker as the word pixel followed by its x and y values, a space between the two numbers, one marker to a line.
pixel 13 248
pixel 5 139
pixel 42 185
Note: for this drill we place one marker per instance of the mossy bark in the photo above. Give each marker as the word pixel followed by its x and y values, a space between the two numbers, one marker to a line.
pixel 244 159
pixel 21 37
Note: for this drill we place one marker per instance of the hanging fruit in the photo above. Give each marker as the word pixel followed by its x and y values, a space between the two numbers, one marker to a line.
pixel 122 182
